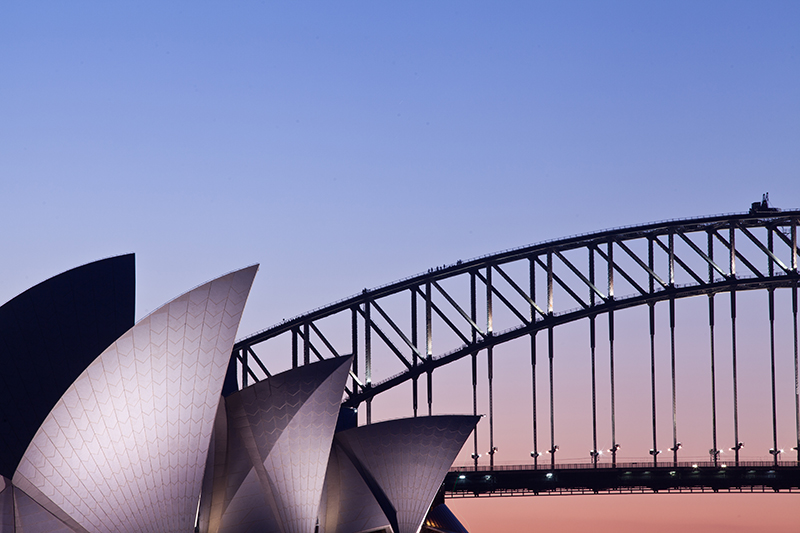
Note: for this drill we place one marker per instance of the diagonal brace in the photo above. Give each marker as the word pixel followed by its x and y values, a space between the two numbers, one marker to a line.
pixel 739 256
pixel 678 260
pixel 258 362
pixel 621 272
pixel 247 368
pixel 563 285
pixel 520 291
pixel 505 301
pixel 444 318
pixel 458 308
pixel 702 254
pixel 581 276
pixel 385 339
pixel 323 339
pixel 764 249
pixel 640 263
pixel 396 328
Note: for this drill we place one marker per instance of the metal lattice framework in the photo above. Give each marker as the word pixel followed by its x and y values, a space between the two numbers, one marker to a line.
pixel 457 308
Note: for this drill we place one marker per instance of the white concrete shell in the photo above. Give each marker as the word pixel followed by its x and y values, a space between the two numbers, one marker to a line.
pixel 31 517
pixel 279 434
pixel 400 463
pixel 125 447
pixel 348 504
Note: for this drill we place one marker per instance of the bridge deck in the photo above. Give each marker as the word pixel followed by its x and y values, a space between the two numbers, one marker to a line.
pixel 624 478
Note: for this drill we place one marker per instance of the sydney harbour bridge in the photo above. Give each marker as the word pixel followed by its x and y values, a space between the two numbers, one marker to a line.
pixel 646 356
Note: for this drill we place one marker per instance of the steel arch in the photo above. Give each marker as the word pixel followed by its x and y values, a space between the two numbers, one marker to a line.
pixel 656 262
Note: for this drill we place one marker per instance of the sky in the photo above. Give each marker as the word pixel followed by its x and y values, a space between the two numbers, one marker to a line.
pixel 345 145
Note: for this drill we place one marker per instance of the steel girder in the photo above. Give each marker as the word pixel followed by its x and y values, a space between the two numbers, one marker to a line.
pixel 760 253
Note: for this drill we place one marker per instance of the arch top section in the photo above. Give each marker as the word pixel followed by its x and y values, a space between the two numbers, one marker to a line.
pixel 425 321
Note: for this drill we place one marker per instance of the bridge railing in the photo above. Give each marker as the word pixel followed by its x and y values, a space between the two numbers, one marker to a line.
pixel 624 466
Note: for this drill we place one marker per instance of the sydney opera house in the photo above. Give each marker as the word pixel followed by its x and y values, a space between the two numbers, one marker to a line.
pixel 111 426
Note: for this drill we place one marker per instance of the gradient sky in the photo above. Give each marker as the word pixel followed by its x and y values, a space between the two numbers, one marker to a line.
pixel 344 145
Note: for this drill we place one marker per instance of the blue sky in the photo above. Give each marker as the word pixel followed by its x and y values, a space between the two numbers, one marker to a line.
pixel 344 145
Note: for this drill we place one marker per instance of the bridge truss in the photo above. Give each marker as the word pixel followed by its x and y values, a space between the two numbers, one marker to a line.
pixel 420 324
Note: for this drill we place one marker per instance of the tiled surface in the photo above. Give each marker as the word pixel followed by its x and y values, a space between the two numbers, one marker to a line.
pixel 248 510
pixel 284 425
pixel 408 458
pixel 347 504
pixel 124 449
pixel 296 465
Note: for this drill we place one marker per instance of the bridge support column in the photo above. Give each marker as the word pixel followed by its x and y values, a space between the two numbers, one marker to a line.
pixel 553 446
pixel 368 356
pixel 796 369
pixel 794 333
pixel 306 344
pixel 354 341
pixel 592 331
pixel 738 446
pixel 294 348
pixel 532 286
pixel 429 342
pixel 771 302
pixel 652 309
pixel 490 374
pixel 614 445
pixel 474 317
pixel 490 364
pixel 675 444
pixel 535 453
pixel 475 454
pixel 714 451
pixel 610 264
pixel 414 356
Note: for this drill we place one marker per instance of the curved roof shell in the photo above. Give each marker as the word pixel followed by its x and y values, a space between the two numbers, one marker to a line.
pixel 124 448
pixel 400 465
pixel 271 457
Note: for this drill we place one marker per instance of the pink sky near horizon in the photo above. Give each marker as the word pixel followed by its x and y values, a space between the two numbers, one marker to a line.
pixel 651 513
